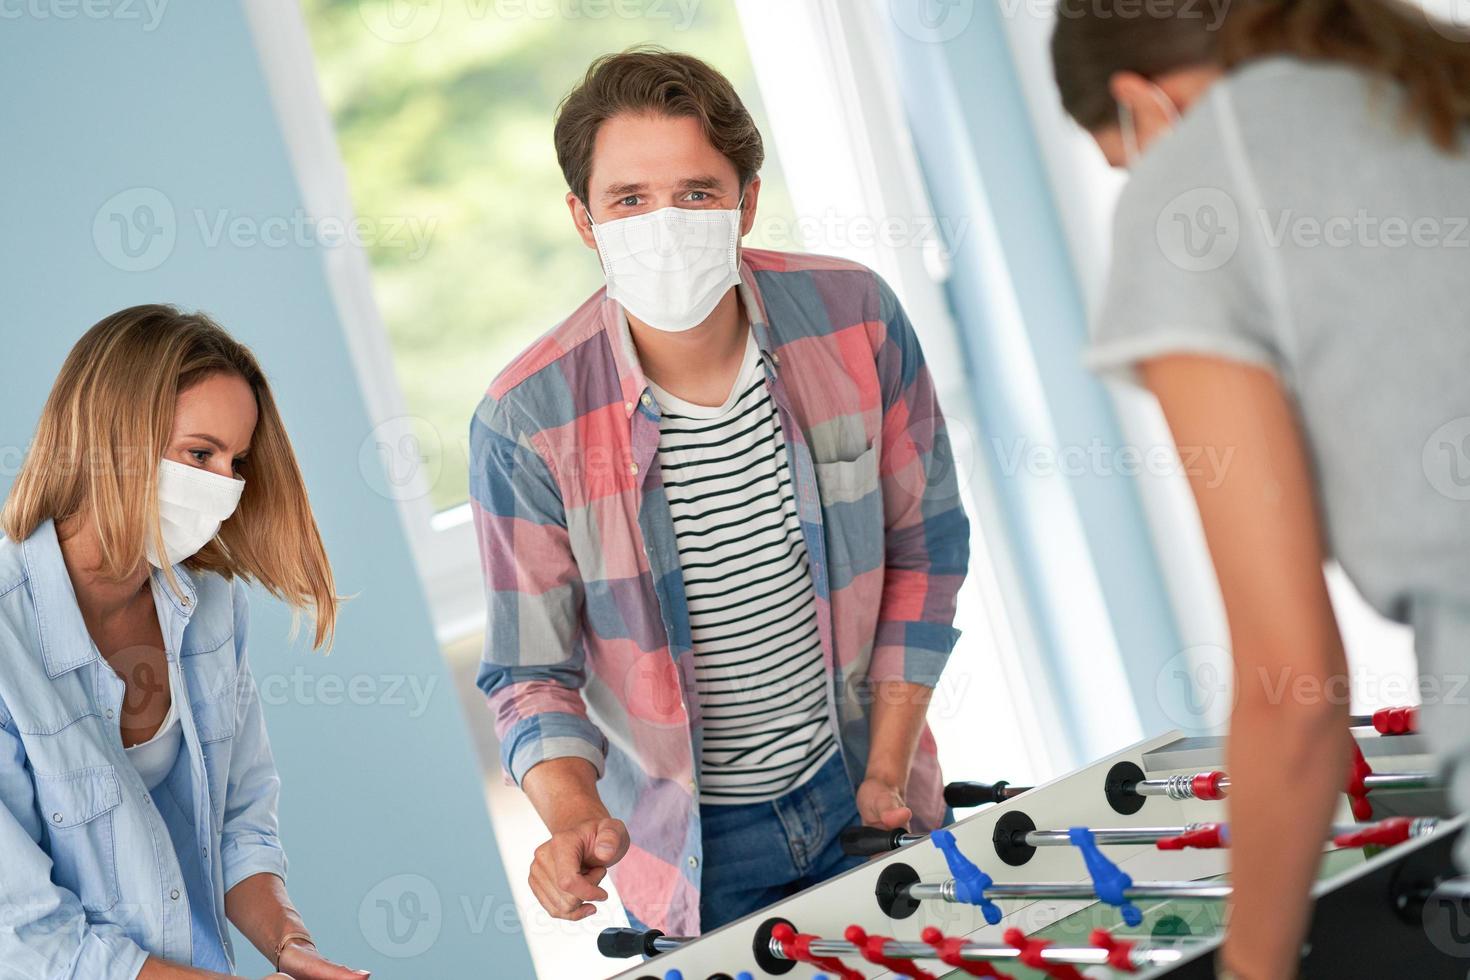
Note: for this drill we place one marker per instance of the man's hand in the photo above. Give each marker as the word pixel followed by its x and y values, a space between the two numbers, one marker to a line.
pixel 568 869
pixel 301 961
pixel 880 804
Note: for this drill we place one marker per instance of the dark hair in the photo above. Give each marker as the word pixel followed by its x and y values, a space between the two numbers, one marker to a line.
pixel 652 80
pixel 1094 39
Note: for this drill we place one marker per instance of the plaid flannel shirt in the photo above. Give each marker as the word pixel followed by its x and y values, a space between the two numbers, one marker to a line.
pixel 587 647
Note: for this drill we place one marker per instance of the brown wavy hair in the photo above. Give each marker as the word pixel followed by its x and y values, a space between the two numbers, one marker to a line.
pixel 649 79
pixel 106 425
pixel 1094 39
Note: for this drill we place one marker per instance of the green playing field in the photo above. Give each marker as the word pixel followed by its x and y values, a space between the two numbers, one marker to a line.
pixel 1173 921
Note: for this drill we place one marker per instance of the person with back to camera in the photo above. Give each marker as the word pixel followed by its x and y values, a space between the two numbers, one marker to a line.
pixel 1291 278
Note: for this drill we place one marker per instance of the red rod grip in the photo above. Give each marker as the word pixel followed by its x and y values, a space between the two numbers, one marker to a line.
pixel 1396 721
pixel 1120 952
pixel 1030 950
pixel 948 948
pixel 1394 830
pixel 1206 786
pixel 1206 838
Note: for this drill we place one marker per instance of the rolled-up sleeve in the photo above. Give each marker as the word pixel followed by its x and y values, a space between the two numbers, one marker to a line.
pixel 44 932
pixel 251 842
pixel 534 664
pixel 926 532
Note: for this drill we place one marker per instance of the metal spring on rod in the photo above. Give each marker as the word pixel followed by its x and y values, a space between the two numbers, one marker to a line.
pixel 1180 787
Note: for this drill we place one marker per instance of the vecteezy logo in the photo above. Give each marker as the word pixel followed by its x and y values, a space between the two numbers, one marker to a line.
pixel 1446 918
pixel 1199 230
pixel 932 21
pixel 401 21
pixel 1446 459
pixel 401 916
pixel 1195 687
pixel 401 458
pixel 1449 18
pixel 135 230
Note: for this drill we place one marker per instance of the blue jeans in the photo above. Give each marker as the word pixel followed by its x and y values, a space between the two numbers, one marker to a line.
pixel 759 853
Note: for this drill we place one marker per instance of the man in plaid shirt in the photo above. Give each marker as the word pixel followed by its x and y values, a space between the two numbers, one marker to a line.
pixel 720 530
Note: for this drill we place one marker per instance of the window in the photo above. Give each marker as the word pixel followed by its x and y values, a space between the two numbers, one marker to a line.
pixel 443 113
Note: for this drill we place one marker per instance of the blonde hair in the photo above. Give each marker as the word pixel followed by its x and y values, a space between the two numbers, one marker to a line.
pixel 106 425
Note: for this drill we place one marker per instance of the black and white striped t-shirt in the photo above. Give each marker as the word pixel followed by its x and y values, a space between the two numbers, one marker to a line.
pixel 757 655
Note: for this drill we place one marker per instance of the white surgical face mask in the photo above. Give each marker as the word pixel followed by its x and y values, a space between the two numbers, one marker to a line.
pixel 192 504
pixel 1128 126
pixel 670 267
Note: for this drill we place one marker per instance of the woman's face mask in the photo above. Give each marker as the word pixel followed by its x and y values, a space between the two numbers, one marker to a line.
pixel 670 267
pixel 192 504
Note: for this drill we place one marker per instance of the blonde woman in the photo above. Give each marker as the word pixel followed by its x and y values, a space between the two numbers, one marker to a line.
pixel 137 789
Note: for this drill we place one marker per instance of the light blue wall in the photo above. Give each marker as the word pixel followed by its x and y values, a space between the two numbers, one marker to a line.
pixel 1016 296
pixel 98 106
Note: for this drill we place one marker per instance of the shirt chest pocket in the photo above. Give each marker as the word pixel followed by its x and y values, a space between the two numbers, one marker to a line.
pixel 211 679
pixel 852 510
pixel 79 810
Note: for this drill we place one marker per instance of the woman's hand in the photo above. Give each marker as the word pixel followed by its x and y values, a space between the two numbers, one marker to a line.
pixel 301 961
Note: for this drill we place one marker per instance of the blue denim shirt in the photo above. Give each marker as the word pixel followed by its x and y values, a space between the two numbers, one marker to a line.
pixel 95 873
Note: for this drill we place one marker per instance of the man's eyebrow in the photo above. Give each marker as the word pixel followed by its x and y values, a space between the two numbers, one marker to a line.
pixel 704 182
pixel 623 190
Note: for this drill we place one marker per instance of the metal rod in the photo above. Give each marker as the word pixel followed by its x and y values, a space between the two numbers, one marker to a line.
pixel 1400 780
pixel 944 891
pixel 1182 787
pixel 1125 835
pixel 978 952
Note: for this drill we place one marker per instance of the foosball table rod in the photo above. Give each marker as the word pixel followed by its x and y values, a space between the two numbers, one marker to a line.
pixel 948 891
pixel 779 943
pixel 871 841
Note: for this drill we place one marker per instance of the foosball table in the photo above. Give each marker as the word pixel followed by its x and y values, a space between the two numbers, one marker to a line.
pixel 1117 869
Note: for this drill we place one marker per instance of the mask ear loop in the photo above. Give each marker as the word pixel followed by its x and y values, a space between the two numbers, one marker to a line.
pixel 1129 126
pixel 1128 129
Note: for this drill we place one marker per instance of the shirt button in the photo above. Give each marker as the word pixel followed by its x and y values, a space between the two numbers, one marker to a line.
pixel 628 407
pixel 174 894
pixel 693 861
pixel 186 602
pixel 775 358
pixel 109 714
pixel 647 399
pixel 56 818
pixel 633 468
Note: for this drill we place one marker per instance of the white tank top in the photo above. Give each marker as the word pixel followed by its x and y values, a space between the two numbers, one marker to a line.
pixel 155 758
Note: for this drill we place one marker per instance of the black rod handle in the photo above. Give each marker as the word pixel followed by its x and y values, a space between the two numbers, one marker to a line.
pixel 621 943
pixel 868 841
pixel 977 794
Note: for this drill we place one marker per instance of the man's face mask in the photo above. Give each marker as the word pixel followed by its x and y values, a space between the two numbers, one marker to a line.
pixel 670 267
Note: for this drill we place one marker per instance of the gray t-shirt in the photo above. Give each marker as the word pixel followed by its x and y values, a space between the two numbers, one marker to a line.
pixel 1296 220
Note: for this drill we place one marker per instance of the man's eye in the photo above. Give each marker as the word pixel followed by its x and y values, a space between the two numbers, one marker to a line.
pixel 631 201
pixel 699 195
